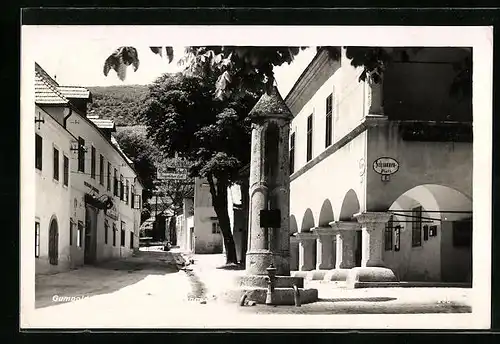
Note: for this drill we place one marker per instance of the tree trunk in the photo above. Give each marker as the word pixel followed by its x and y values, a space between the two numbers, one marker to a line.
pixel 219 202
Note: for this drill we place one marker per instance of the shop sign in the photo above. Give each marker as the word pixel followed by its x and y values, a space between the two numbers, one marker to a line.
pixel 91 187
pixel 385 166
pixel 112 212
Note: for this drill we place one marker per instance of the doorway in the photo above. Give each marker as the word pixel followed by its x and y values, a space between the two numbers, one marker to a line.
pixel 90 234
pixel 358 244
pixel 53 242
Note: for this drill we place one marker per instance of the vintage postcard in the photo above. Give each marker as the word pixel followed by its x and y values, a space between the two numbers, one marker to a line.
pixel 326 177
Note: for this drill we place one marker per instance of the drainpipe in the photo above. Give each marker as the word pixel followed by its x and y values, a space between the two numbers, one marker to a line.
pixel 67 112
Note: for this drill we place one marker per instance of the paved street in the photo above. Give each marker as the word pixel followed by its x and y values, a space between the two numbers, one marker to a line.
pixel 150 291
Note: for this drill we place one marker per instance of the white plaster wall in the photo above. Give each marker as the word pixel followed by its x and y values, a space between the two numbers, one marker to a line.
pixel 443 163
pixel 204 216
pixel 125 212
pixel 422 263
pixel 52 197
pixel 331 180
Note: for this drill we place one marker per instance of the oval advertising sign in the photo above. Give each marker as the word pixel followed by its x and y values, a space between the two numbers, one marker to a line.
pixel 385 166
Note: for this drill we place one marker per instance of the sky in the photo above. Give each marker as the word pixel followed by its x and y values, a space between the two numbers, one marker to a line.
pixel 74 63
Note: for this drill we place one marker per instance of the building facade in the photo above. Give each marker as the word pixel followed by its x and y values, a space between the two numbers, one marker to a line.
pixel 98 214
pixel 381 173
pixel 198 229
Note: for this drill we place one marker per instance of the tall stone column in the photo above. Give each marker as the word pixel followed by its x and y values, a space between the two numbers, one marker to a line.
pixel 307 240
pixel 346 232
pixel 372 227
pixel 269 185
pixel 325 248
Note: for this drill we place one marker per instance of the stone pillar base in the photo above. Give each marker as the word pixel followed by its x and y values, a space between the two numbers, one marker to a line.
pixel 256 263
pixel 336 275
pixel 358 276
pixel 255 288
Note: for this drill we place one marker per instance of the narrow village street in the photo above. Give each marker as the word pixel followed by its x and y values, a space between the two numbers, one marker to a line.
pixel 154 289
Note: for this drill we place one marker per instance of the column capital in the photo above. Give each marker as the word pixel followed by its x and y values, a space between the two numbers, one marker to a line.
pixel 345 225
pixel 372 217
pixel 303 236
pixel 323 231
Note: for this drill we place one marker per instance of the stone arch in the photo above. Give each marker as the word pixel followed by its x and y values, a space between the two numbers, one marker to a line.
pixel 350 206
pixel 325 214
pixel 293 225
pixel 446 213
pixel 307 221
pixel 53 241
pixel 434 198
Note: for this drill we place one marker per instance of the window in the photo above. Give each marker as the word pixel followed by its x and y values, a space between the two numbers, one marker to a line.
pixel 106 229
pixel 137 202
pixel 131 240
pixel 66 170
pixel 309 137
pixel 81 155
pixel 38 152
pixel 388 235
pixel 416 233
pixel 462 233
pixel 215 228
pixel 92 162
pixel 37 239
pixel 328 120
pixel 127 189
pixel 71 225
pixel 121 187
pixel 122 233
pixel 101 169
pixel 397 235
pixel 292 153
pixel 115 183
pixel 109 177
pixel 56 164
pixel 114 234
pixel 132 197
pixel 79 234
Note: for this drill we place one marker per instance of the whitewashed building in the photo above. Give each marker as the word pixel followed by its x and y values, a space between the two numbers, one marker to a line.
pixel 91 212
pixel 381 173
pixel 198 229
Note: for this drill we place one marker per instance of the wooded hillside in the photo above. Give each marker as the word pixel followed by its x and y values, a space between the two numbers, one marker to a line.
pixel 119 103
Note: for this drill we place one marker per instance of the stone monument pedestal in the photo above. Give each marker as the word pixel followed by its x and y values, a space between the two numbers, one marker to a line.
pixel 256 287
pixel 267 277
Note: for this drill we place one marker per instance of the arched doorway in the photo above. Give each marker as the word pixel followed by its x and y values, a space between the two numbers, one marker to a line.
pixel 53 242
pixel 350 206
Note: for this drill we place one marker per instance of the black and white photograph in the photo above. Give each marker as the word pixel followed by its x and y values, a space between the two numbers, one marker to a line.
pixel 322 177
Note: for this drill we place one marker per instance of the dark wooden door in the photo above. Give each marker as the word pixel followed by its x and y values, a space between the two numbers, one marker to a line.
pixel 53 242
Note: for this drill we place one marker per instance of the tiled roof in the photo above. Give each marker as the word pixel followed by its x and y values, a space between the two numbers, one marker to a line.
pixel 103 123
pixel 75 92
pixel 46 92
pixel 115 143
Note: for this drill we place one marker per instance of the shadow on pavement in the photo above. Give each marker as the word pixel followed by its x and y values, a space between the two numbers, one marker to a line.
pixel 103 278
pixel 326 308
pixel 367 299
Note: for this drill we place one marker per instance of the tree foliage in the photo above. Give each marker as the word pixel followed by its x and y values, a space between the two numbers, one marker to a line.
pixel 144 155
pixel 237 67
pixel 122 104
pixel 213 135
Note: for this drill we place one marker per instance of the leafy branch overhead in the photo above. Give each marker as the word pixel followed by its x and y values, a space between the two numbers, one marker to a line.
pixel 238 67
